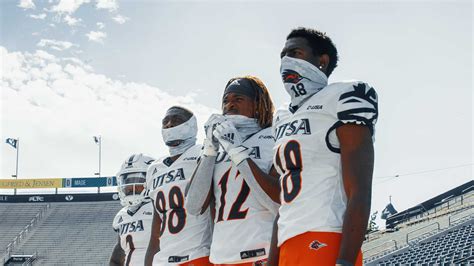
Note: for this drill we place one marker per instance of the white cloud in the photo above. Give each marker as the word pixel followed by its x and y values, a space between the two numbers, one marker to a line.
pixel 96 36
pixel 39 16
pixel 56 104
pixel 110 5
pixel 120 19
pixel 100 25
pixel 68 6
pixel 55 45
pixel 71 21
pixel 26 4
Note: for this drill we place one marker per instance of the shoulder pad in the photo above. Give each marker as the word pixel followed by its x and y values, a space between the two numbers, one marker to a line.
pixel 357 103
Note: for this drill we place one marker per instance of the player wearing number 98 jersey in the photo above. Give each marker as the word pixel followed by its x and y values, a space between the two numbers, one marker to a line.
pixel 133 221
pixel 180 237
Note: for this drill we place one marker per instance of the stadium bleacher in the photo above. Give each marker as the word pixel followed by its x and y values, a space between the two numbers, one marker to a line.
pixel 14 219
pixel 453 246
pixel 77 232
pixel 72 233
pixel 442 235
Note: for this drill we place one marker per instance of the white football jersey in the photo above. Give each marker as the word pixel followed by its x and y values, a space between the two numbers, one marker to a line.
pixel 242 226
pixel 184 237
pixel 133 225
pixel 307 156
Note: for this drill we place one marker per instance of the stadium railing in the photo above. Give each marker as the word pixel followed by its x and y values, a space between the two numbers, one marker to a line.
pixel 424 234
pixel 22 235
pixel 446 216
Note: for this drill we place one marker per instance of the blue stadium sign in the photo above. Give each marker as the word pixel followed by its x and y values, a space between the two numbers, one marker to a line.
pixel 90 182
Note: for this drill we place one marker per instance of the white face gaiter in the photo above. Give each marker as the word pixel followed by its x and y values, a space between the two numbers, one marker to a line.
pixel 301 79
pixel 186 133
pixel 246 126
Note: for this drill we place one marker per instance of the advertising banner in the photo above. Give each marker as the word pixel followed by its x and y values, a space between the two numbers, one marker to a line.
pixel 31 183
pixel 58 198
pixel 90 182
pixel 77 182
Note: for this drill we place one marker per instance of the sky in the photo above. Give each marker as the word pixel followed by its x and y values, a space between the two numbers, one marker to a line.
pixel 75 69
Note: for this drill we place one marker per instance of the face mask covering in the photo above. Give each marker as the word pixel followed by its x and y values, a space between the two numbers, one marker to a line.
pixel 186 133
pixel 301 78
pixel 245 125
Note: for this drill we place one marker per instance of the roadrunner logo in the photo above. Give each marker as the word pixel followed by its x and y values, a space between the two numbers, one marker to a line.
pixel 291 76
pixel 316 245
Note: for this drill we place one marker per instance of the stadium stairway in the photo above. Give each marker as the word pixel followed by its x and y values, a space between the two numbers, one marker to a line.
pixel 450 247
pixel 13 219
pixel 75 233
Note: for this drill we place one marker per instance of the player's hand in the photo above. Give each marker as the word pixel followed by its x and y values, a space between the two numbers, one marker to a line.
pixel 211 144
pixel 229 138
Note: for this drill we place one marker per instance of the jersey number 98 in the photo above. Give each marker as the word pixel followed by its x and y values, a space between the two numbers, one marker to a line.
pixel 176 209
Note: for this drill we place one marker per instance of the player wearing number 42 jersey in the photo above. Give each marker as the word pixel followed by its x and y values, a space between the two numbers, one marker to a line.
pixel 238 151
pixel 133 221
pixel 324 154
pixel 178 237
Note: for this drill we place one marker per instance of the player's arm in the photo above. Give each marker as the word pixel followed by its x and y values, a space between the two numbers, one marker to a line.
pixel 118 255
pixel 266 186
pixel 199 190
pixel 154 243
pixel 357 159
pixel 267 183
pixel 274 253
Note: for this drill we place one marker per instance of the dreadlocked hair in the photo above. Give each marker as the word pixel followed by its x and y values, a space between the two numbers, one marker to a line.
pixel 264 108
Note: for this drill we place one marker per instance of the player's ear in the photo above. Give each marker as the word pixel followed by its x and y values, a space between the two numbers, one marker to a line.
pixel 323 62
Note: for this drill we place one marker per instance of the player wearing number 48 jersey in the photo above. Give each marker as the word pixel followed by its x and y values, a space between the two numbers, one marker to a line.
pixel 237 153
pixel 178 237
pixel 324 154
pixel 133 221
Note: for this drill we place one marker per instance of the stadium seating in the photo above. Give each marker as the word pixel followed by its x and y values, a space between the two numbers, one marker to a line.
pixel 442 236
pixel 14 218
pixel 454 246
pixel 77 233
pixel 80 233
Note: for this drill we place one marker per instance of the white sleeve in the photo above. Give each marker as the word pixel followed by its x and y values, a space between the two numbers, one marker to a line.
pixel 115 223
pixel 200 185
pixel 149 181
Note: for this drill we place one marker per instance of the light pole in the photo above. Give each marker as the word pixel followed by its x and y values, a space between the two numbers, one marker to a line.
pixel 98 141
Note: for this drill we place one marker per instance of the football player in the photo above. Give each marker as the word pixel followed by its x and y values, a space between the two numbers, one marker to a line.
pixel 324 155
pixel 133 221
pixel 177 237
pixel 236 173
